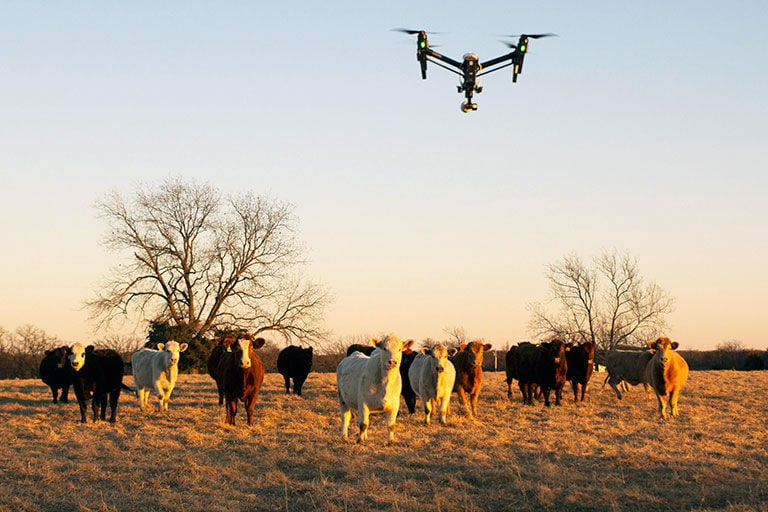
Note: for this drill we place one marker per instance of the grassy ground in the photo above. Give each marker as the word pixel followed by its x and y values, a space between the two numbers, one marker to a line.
pixel 600 455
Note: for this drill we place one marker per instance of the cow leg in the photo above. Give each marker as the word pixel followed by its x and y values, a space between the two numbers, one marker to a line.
pixel 583 390
pixel 83 405
pixel 363 422
pixel 231 410
pixel 673 396
pixel 575 387
pixel 613 383
pixel 429 406
pixel 346 417
pixel 474 398
pixel 662 406
pixel 443 406
pixel 114 397
pixel 391 419
pixel 65 394
pixel 287 380
pixel 545 391
pixel 298 384
pixel 250 403
pixel 464 401
pixel 220 390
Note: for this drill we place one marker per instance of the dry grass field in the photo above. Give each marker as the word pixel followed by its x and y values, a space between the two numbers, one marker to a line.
pixel 601 455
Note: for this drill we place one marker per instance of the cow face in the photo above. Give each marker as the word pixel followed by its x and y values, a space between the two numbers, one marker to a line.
pixel 392 348
pixel 440 354
pixel 663 348
pixel 554 351
pixel 242 350
pixel 476 350
pixel 77 353
pixel 174 349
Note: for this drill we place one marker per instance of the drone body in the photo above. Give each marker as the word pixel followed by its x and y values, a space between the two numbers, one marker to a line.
pixel 470 69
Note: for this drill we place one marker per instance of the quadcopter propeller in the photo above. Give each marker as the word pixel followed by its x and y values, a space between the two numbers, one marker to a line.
pixel 513 46
pixel 531 36
pixel 411 31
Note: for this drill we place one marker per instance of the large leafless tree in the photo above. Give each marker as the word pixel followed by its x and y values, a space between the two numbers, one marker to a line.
pixel 608 302
pixel 197 257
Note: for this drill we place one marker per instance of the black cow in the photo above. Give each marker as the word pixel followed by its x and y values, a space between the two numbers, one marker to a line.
pixel 542 365
pixel 408 356
pixel 96 374
pixel 294 363
pixel 214 358
pixel 365 349
pixel 55 371
pixel 581 364
pixel 408 393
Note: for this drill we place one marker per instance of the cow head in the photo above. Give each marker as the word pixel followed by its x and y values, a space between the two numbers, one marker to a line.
pixel 58 356
pixel 662 348
pixel 475 349
pixel 243 349
pixel 554 351
pixel 392 349
pixel 77 354
pixel 439 354
pixel 173 348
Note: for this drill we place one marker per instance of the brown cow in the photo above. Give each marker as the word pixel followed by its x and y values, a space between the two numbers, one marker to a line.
pixel 666 372
pixel 240 374
pixel 581 364
pixel 469 374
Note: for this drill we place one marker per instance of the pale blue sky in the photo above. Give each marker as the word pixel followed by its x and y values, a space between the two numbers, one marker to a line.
pixel 641 128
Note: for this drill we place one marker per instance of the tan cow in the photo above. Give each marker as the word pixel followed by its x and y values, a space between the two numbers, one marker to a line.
pixel 666 372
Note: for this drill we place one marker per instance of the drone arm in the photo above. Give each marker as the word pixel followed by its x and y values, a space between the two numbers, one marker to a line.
pixel 438 63
pixel 495 69
pixel 432 53
pixel 498 60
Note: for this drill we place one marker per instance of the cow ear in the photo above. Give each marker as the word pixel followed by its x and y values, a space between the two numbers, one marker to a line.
pixel 89 349
pixel 161 346
pixel 183 347
pixel 424 350
pixel 310 350
pixel 675 345
pixel 462 346
pixel 258 342
pixel 452 352
pixel 374 341
pixel 650 343
pixel 48 352
pixel 407 345
pixel 487 346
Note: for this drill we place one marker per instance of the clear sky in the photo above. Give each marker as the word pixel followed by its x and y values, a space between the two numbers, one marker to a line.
pixel 641 128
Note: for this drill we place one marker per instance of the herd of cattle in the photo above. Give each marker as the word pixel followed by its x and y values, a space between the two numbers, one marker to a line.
pixel 371 378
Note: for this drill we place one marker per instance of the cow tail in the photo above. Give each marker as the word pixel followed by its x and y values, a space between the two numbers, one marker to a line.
pixel 127 388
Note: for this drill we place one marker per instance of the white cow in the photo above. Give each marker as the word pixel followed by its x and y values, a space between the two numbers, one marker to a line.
pixel 371 384
pixel 432 377
pixel 156 370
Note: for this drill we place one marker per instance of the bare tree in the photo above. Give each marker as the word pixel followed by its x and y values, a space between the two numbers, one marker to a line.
pixel 456 335
pixel 608 303
pixel 197 257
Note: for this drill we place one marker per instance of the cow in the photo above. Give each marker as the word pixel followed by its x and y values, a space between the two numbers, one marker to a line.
pixel 627 366
pixel 223 345
pixel 371 384
pixel 469 374
pixel 581 364
pixel 358 347
pixel 55 371
pixel 538 367
pixel 96 374
pixel 408 356
pixel 667 373
pixel 433 376
pixel 156 370
pixel 409 395
pixel 294 363
pixel 239 376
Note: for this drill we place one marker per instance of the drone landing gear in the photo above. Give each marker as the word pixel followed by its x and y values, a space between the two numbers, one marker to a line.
pixel 468 107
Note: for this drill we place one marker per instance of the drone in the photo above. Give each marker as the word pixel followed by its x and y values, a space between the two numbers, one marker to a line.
pixel 471 69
